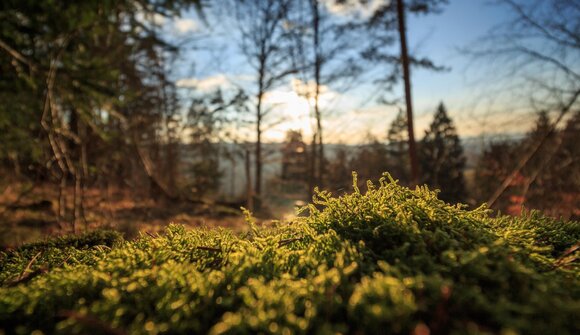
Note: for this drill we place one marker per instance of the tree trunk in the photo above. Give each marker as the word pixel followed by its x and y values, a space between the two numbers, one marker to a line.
pixel 260 96
pixel 258 181
pixel 317 69
pixel 249 192
pixel 408 100
pixel 312 168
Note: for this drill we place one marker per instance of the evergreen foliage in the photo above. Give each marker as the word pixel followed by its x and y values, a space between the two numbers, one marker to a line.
pixel 391 260
pixel 398 148
pixel 98 65
pixel 442 159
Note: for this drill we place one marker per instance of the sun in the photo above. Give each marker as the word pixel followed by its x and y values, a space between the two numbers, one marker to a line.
pixel 290 112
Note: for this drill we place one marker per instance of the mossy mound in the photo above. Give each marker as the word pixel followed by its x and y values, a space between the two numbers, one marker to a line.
pixel 389 261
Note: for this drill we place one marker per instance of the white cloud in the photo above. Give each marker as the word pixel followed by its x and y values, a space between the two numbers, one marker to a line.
pixel 206 84
pixel 155 18
pixel 183 26
pixel 308 90
pixel 353 7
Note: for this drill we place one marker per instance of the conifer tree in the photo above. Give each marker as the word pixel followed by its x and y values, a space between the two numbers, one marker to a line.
pixel 398 148
pixel 442 159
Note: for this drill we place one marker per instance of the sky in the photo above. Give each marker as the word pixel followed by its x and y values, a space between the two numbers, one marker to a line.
pixel 211 59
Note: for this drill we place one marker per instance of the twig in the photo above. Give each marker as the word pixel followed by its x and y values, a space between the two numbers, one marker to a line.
pixel 27 268
pixel 566 258
pixel 28 276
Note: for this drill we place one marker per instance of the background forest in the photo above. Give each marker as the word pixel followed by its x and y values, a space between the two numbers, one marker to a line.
pixel 132 114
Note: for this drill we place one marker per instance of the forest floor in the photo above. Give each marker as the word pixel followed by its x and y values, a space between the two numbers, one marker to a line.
pixel 28 213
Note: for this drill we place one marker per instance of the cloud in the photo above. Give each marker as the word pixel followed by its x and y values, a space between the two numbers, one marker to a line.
pixel 183 26
pixel 206 84
pixel 353 7
pixel 308 90
pixel 154 18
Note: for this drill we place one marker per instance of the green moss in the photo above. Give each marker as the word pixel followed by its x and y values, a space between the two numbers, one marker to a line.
pixel 391 260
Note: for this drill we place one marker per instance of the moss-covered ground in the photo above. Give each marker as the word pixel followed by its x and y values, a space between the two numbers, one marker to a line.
pixel 389 260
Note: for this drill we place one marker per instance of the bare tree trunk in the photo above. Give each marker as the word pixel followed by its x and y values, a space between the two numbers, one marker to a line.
pixel 84 171
pixel 249 192
pixel 77 198
pixel 408 99
pixel 317 70
pixel 312 169
pixel 233 178
pixel 61 211
pixel 155 180
pixel 260 96
pixel 320 152
pixel 258 181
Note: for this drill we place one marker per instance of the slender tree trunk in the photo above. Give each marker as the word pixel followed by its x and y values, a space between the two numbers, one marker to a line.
pixel 320 152
pixel 408 99
pixel 233 178
pixel 259 115
pixel 312 168
pixel 61 212
pixel 249 192
pixel 258 181
pixel 317 70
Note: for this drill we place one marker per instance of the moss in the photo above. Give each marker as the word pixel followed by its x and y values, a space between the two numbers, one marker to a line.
pixel 389 260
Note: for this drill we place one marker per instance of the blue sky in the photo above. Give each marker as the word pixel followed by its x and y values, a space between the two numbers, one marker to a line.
pixel 214 60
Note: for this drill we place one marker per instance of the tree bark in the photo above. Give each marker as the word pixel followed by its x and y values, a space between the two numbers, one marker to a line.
pixel 312 168
pixel 317 71
pixel 408 99
pixel 249 192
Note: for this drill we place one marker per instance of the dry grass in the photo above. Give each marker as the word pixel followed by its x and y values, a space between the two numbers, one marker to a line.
pixel 29 216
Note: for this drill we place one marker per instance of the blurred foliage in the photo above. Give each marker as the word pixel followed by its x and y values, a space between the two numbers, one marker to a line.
pixel 89 71
pixel 550 180
pixel 391 260
pixel 442 159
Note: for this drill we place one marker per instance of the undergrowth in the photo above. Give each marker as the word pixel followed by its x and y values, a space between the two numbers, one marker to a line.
pixel 389 260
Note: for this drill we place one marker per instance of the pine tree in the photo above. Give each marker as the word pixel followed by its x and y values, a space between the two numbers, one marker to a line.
pixel 398 148
pixel 442 159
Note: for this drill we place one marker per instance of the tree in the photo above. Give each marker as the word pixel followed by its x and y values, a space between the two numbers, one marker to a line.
pixel 385 25
pixel 206 119
pixel 442 160
pixel 92 73
pixel 493 166
pixel 321 50
pixel 264 44
pixel 397 148
pixel 551 179
pixel 535 54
